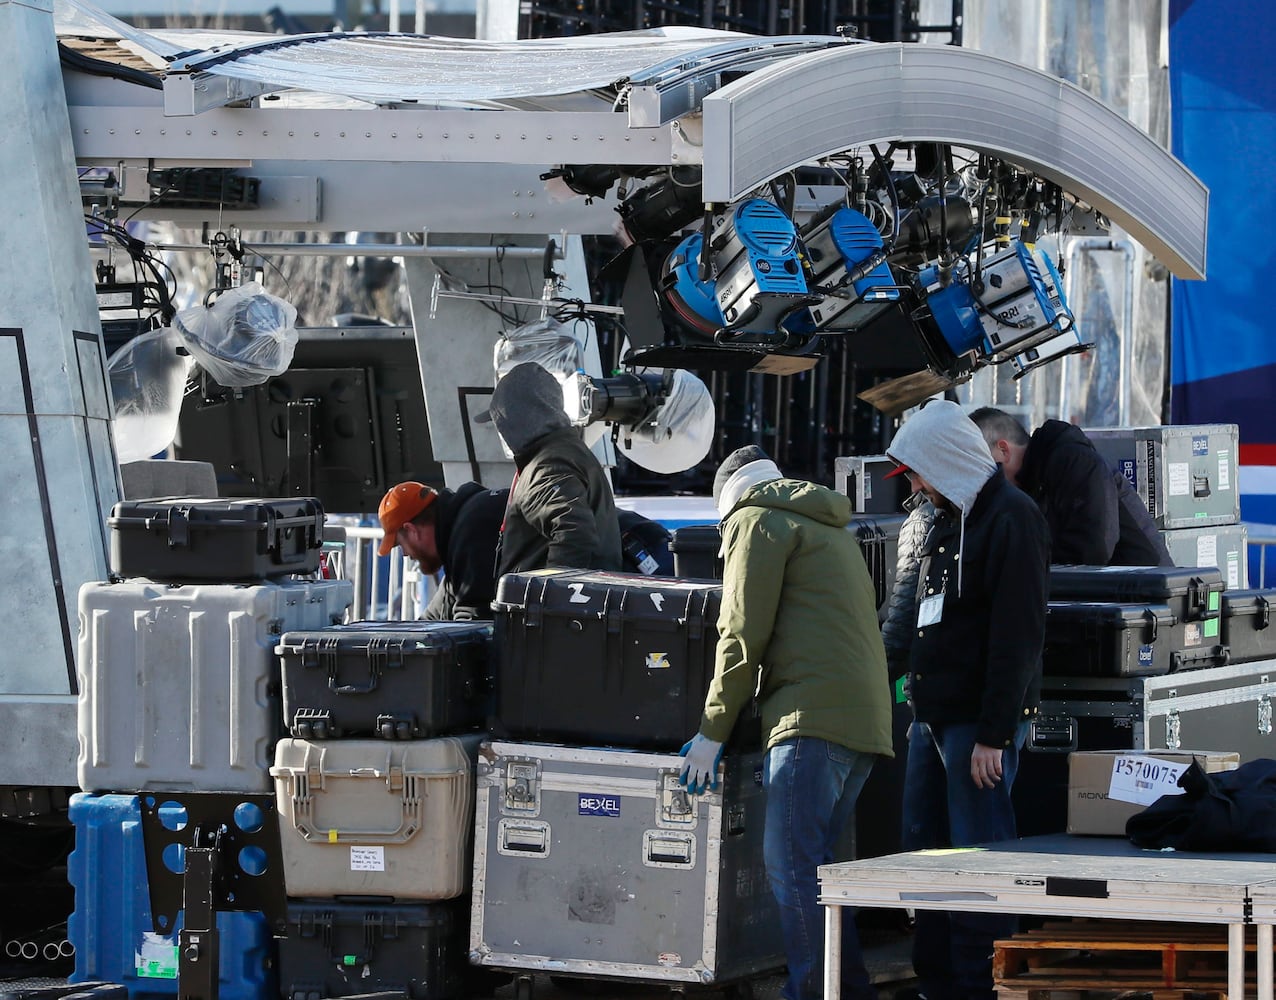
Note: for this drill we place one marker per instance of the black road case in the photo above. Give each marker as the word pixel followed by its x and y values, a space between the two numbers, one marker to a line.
pixel 597 658
pixel 1092 639
pixel 339 949
pixel 211 540
pixel 397 680
pixel 1249 630
pixel 1193 593
pixel 695 552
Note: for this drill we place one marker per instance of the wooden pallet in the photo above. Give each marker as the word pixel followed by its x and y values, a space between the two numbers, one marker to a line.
pixel 1114 955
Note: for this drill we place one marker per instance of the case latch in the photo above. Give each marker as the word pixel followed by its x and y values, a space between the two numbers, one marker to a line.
pixel 1265 715
pixel 1173 729
pixel 179 527
pixel 522 787
pixel 674 807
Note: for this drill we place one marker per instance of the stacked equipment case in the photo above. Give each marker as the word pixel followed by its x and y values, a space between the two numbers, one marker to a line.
pixel 1117 621
pixel 1151 658
pixel 590 858
pixel 178 714
pixel 598 863
pixel 375 794
pixel 1185 475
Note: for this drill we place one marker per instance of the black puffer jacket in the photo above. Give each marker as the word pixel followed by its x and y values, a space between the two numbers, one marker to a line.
pixel 1095 518
pixel 981 662
pixel 901 607
pixel 466 530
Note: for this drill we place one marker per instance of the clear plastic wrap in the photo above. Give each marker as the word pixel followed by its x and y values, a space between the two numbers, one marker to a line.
pixel 148 380
pixel 546 341
pixel 246 335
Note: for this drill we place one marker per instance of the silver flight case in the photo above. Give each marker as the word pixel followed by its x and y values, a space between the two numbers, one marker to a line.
pixel 597 863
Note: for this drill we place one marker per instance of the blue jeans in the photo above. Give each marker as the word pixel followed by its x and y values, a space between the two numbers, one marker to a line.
pixel 811 787
pixel 952 952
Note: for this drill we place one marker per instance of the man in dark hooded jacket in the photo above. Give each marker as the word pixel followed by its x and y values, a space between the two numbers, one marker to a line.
pixel 974 674
pixel 561 511
pixel 1095 517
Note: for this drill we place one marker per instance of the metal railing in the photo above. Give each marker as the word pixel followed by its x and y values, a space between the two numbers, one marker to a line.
pixel 389 588
pixel 1262 537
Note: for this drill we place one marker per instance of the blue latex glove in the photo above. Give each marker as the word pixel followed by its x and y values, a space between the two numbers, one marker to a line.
pixel 700 772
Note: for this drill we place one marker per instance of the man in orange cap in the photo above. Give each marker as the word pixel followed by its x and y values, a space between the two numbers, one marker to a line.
pixel 406 523
pixel 453 531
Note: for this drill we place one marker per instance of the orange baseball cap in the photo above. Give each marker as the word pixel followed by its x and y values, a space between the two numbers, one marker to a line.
pixel 398 507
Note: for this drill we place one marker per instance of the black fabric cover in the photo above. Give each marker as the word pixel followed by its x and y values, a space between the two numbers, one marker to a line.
pixel 1227 811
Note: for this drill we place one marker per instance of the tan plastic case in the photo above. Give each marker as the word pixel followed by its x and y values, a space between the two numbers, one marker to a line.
pixel 376 818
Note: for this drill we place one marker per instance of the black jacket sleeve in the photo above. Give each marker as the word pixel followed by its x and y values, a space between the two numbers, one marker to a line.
pixel 1017 583
pixel 1079 500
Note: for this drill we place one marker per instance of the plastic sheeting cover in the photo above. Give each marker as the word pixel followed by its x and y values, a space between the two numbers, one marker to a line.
pixel 385 68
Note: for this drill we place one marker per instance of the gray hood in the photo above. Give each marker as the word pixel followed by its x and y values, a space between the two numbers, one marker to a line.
pixel 526 405
pixel 947 449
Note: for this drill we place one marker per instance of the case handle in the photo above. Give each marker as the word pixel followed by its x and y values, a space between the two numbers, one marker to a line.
pixel 529 839
pixel 666 849
pixel 354 688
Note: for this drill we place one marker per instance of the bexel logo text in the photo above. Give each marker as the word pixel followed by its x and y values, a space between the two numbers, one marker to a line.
pixel 598 805
pixel 1200 446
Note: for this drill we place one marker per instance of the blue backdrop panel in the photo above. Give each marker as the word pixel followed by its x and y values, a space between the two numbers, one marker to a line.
pixel 1223 120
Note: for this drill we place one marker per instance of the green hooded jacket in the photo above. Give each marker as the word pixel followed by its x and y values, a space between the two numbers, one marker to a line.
pixel 798 624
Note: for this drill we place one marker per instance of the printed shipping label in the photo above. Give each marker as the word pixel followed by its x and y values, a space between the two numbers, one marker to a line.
pixel 1143 780
pixel 1207 550
pixel 367 859
pixel 1224 471
pixel 1233 571
pixel 1178 479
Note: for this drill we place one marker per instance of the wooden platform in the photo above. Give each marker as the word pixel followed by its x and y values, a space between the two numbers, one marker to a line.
pixel 1168 959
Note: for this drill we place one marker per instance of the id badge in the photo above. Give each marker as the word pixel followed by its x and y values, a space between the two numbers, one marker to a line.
pixel 931 610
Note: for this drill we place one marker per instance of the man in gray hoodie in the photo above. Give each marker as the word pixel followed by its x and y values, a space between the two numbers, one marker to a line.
pixel 974 673
pixel 561 512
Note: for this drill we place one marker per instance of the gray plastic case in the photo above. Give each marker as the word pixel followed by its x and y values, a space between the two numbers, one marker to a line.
pixel 597 863
pixel 1221 545
pixel 179 685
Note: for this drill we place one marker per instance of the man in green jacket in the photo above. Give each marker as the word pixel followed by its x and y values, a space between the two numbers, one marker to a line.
pixel 798 626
